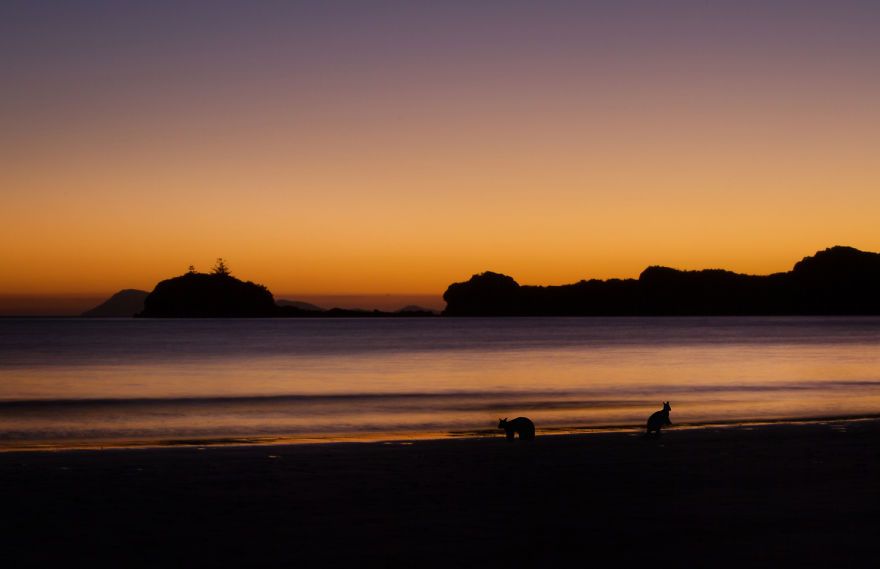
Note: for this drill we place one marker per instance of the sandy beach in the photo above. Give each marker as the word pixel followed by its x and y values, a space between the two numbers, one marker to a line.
pixel 778 495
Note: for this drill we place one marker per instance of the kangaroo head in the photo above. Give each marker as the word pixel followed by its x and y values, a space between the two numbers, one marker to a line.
pixel 666 406
pixel 502 423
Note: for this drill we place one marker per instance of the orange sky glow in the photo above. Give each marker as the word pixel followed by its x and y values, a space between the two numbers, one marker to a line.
pixel 334 149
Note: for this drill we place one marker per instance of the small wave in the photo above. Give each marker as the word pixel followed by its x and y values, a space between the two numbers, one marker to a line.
pixel 626 396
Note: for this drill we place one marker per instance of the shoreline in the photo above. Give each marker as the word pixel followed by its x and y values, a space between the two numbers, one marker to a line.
pixel 397 437
pixel 756 495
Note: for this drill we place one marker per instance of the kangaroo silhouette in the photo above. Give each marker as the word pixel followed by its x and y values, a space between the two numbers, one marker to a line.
pixel 659 419
pixel 521 426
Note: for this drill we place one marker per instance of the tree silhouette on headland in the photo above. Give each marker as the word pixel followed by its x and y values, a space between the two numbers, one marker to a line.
pixel 220 268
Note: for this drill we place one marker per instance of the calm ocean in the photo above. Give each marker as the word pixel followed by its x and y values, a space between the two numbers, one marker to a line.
pixel 73 381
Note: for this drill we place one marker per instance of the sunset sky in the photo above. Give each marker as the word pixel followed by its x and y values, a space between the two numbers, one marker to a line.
pixel 379 147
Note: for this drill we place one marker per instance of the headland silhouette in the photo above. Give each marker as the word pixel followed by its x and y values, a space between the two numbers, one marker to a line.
pixel 836 281
pixel 218 294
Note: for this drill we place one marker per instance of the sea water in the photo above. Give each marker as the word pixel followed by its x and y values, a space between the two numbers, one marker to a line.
pixel 77 381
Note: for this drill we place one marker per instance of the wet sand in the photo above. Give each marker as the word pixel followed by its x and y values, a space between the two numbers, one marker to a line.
pixel 762 496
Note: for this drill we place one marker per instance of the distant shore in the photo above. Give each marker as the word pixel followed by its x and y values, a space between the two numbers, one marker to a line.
pixel 784 494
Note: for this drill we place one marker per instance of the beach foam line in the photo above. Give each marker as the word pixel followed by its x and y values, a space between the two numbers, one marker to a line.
pixel 402 437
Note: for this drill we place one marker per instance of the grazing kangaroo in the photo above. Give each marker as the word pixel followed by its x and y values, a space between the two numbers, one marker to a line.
pixel 659 419
pixel 521 426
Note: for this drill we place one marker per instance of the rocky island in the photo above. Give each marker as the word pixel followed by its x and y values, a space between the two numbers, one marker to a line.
pixel 215 294
pixel 218 294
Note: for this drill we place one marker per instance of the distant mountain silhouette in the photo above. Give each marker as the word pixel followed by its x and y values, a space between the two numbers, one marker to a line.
pixel 414 309
pixel 300 305
pixel 839 280
pixel 293 311
pixel 208 295
pixel 297 308
pixel 126 302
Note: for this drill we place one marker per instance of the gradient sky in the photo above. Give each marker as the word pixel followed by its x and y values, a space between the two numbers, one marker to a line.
pixel 395 147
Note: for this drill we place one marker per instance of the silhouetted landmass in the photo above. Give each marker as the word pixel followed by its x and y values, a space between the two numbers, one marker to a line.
pixel 348 313
pixel 839 280
pixel 126 302
pixel 220 295
pixel 417 310
pixel 300 305
pixel 208 295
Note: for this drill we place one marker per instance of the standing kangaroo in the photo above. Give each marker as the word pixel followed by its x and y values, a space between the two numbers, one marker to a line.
pixel 521 426
pixel 659 419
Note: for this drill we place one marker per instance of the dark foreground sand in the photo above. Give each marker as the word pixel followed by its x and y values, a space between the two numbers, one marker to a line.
pixel 771 496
